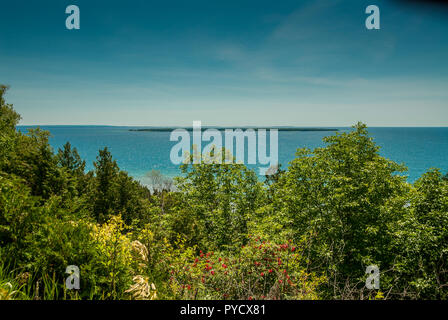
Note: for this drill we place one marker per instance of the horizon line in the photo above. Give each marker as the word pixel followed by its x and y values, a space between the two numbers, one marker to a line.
pixel 224 127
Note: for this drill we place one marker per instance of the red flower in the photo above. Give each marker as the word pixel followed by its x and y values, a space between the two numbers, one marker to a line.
pixel 293 248
pixel 224 265
pixel 212 272
pixel 219 259
pixel 262 274
pixel 281 281
pixel 250 298
pixel 188 287
pixel 270 270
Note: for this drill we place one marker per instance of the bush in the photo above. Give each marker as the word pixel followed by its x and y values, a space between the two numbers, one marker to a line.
pixel 261 270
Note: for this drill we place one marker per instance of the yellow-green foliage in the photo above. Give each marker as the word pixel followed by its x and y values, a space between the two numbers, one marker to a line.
pixel 113 256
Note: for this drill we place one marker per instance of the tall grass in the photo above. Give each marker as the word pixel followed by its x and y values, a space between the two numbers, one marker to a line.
pixel 16 285
pixel 10 287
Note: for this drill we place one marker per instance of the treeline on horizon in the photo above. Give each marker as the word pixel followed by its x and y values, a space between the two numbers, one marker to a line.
pixel 164 129
pixel 307 232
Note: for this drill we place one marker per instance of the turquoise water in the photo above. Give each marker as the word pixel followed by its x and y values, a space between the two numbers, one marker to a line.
pixel 139 152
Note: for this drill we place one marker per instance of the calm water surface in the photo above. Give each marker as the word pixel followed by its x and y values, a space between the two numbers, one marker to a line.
pixel 139 152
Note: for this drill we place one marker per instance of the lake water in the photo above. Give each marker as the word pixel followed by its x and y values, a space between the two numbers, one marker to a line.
pixel 139 152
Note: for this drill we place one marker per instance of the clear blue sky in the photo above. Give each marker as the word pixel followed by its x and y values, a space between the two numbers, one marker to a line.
pixel 306 63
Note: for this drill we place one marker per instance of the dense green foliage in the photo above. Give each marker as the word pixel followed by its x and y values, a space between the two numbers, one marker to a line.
pixel 217 232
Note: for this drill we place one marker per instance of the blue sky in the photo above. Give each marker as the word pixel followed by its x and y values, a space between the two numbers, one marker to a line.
pixel 305 63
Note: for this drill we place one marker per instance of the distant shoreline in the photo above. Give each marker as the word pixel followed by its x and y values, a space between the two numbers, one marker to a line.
pixel 235 128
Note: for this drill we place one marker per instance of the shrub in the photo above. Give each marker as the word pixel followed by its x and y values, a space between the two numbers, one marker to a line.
pixel 261 270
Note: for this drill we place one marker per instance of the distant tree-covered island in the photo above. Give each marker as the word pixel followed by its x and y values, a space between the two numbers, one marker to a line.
pixel 169 129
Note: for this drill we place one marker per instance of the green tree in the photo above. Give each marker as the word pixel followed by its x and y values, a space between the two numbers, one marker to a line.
pixel 106 172
pixel 19 213
pixel 116 192
pixel 35 162
pixel 70 159
pixel 342 198
pixel 421 240
pixel 133 199
pixel 8 121
pixel 220 200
